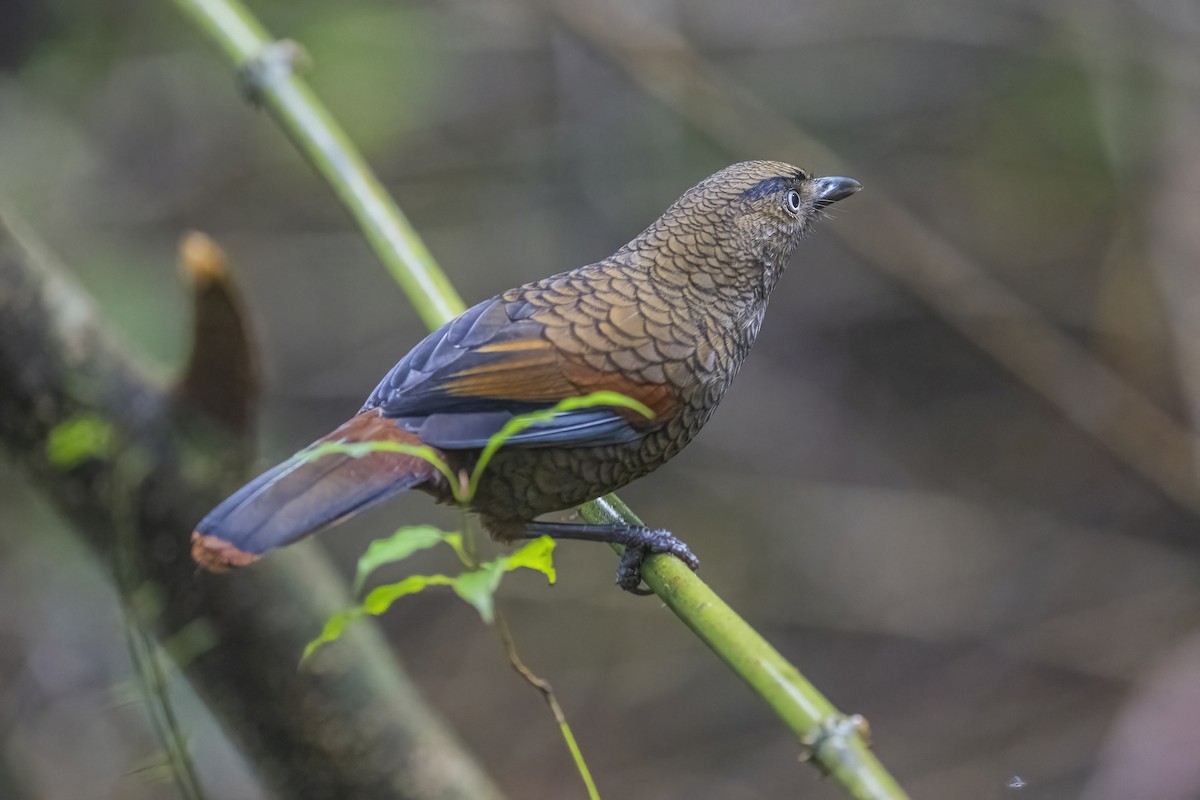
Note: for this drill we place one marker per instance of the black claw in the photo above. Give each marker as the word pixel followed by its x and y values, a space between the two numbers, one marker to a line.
pixel 629 571
pixel 661 541
pixel 643 542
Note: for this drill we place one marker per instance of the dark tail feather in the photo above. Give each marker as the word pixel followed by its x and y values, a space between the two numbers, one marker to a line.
pixel 299 497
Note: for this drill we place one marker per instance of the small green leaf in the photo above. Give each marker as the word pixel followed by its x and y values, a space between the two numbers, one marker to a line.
pixel 381 598
pixel 397 547
pixel 478 587
pixel 361 449
pixel 378 601
pixel 78 439
pixel 537 554
pixel 334 627
pixel 523 421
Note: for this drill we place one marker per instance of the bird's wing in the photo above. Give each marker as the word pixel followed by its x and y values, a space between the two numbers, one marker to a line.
pixel 461 384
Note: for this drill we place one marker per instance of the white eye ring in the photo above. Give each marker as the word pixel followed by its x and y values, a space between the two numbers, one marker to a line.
pixel 793 201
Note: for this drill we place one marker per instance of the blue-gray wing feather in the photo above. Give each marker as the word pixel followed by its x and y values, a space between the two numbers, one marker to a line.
pixel 414 391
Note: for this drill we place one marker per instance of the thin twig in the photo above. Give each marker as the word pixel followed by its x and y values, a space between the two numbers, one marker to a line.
pixel 543 686
pixel 143 652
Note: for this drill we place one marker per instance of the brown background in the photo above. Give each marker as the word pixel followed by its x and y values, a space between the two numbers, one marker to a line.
pixel 928 537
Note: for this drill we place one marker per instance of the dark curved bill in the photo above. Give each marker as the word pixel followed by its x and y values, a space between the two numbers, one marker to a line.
pixel 830 190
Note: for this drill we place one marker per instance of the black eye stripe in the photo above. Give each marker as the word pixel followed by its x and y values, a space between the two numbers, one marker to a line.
pixel 766 187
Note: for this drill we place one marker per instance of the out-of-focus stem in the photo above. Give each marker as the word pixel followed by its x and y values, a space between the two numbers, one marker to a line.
pixel 268 70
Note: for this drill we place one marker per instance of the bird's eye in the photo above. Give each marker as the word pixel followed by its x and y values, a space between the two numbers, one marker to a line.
pixel 793 201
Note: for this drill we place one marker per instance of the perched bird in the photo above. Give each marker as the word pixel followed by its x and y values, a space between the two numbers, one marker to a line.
pixel 666 320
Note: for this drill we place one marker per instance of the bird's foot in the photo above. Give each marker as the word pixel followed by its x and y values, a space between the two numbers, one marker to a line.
pixel 644 542
pixel 638 541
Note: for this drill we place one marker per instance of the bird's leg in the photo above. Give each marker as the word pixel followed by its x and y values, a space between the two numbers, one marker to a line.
pixel 638 541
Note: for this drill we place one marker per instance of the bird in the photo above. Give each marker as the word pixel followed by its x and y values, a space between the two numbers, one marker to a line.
pixel 666 320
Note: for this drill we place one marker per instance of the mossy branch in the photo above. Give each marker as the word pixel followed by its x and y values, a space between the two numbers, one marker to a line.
pixel 74 408
pixel 833 741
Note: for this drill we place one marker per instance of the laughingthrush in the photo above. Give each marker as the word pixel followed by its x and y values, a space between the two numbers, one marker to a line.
pixel 666 320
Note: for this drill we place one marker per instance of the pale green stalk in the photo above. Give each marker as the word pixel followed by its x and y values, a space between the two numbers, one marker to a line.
pixel 267 71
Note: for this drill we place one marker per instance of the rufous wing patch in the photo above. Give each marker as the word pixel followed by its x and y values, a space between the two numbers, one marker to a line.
pixel 661 398
pixel 532 370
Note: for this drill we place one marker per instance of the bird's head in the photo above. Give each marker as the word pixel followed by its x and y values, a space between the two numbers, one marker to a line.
pixel 751 213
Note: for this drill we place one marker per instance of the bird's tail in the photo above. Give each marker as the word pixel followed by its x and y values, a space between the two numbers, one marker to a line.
pixel 304 494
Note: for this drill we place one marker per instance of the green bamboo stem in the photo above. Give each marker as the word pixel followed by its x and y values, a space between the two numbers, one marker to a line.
pixel 267 69
pixel 832 740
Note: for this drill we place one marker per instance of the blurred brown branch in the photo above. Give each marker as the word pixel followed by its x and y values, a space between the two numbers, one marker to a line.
pixel 1176 238
pixel 352 728
pixel 893 240
pixel 222 372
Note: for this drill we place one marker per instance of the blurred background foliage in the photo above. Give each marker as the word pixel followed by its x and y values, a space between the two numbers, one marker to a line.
pixel 1014 608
